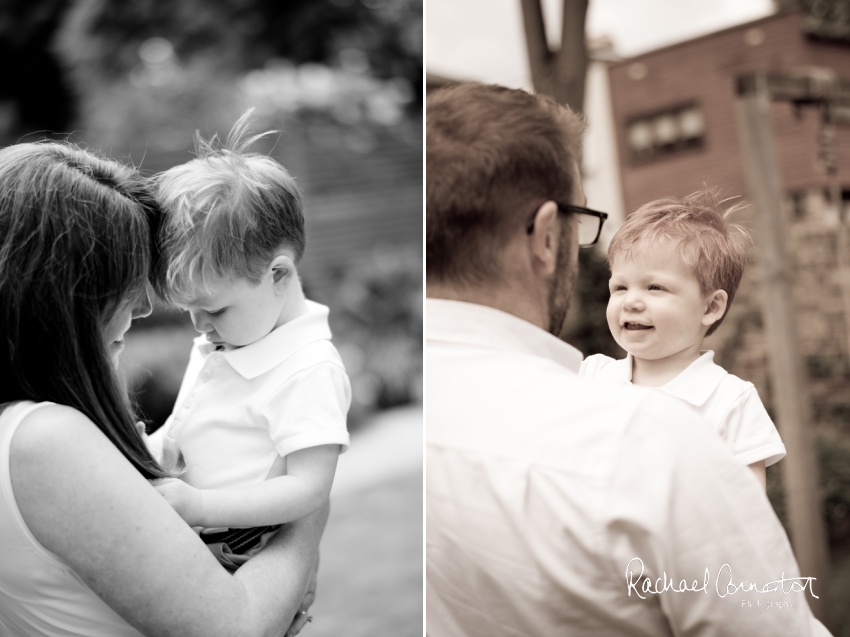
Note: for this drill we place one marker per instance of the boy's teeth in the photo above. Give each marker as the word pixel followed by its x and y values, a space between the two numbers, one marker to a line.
pixel 637 326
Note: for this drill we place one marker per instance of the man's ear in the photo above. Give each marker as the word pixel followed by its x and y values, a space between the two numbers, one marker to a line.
pixel 716 308
pixel 544 236
pixel 282 269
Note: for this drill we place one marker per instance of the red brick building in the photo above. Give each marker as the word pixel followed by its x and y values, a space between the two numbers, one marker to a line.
pixel 676 121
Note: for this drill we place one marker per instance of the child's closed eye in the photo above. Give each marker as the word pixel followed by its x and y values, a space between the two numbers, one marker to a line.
pixel 655 287
pixel 217 312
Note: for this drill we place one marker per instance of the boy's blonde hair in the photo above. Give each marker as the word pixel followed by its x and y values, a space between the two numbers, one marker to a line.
pixel 716 251
pixel 227 213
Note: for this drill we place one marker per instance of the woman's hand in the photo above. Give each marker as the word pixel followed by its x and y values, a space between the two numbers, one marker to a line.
pixel 302 617
pixel 183 498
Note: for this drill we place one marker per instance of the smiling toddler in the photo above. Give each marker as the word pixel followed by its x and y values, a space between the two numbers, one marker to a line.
pixel 260 418
pixel 675 266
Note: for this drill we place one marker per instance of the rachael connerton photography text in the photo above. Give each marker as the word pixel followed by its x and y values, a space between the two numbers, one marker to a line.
pixel 723 584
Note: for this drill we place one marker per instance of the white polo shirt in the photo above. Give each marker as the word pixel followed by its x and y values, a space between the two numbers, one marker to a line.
pixel 731 406
pixel 238 410
pixel 541 487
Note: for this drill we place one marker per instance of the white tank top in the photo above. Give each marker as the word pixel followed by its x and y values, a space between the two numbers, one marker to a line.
pixel 39 594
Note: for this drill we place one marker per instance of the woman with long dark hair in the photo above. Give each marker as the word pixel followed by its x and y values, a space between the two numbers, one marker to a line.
pixel 87 545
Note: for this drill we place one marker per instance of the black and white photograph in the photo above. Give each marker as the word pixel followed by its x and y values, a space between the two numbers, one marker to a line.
pixel 211 318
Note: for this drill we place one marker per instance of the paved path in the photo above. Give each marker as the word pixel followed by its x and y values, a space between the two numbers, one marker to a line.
pixel 370 580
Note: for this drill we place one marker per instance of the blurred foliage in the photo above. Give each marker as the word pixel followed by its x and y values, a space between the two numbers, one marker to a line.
pixel 376 319
pixel 828 19
pixel 34 94
pixel 104 37
pixel 147 73
pixel 587 326
pixel 834 463
pixel 120 67
pixel 835 366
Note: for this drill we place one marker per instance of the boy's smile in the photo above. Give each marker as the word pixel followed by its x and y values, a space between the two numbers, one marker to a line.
pixel 656 311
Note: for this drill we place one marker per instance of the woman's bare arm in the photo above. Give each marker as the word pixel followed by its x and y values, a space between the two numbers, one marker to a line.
pixel 83 501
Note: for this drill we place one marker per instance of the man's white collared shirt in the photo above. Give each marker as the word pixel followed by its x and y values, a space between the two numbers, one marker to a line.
pixel 238 410
pixel 542 487
pixel 731 406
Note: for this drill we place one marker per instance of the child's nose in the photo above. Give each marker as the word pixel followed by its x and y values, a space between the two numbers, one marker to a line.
pixel 200 321
pixel 633 301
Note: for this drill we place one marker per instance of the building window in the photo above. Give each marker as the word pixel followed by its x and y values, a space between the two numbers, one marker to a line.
pixel 798 204
pixel 667 132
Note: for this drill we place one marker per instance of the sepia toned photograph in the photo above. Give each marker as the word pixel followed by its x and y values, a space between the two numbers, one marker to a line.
pixel 637 336
pixel 211 282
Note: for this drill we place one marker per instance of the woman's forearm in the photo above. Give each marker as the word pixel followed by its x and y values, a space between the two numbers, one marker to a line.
pixel 276 579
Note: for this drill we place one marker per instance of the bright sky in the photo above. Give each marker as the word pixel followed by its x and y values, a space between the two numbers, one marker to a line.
pixel 483 39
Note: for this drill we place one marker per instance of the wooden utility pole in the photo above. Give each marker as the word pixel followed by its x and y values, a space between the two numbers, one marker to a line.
pixel 559 74
pixel 800 467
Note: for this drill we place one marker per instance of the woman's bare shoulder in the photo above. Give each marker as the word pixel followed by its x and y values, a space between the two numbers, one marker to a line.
pixel 54 429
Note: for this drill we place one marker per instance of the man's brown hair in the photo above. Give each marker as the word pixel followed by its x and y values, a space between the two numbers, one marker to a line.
pixel 493 155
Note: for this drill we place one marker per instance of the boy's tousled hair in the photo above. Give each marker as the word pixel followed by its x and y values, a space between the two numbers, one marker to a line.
pixel 226 214
pixel 76 245
pixel 715 250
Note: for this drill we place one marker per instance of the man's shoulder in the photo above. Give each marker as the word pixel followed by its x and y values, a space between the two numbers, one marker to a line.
pixel 499 385
pixel 600 366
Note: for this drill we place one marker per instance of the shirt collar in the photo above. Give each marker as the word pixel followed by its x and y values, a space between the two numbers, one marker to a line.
pixel 472 324
pixel 697 381
pixel 270 351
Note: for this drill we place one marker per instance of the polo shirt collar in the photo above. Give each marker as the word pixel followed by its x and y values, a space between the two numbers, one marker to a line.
pixel 697 382
pixel 482 326
pixel 270 351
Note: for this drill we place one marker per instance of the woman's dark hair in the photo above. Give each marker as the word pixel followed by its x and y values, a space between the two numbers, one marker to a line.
pixel 76 242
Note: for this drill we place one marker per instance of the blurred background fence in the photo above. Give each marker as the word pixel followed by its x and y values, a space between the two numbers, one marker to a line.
pixel 341 80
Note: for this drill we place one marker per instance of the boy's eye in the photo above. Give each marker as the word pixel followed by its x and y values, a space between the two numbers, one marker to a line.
pixel 217 312
pixel 654 287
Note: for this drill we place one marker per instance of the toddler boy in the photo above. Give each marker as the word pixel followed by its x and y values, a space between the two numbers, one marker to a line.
pixel 675 267
pixel 260 417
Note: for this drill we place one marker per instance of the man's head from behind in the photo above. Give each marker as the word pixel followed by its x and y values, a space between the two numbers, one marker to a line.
pixel 494 156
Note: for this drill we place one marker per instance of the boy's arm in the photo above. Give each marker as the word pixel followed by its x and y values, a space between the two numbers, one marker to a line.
pixel 304 489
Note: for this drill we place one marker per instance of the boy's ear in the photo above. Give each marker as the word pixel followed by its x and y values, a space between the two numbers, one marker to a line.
pixel 717 302
pixel 282 268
